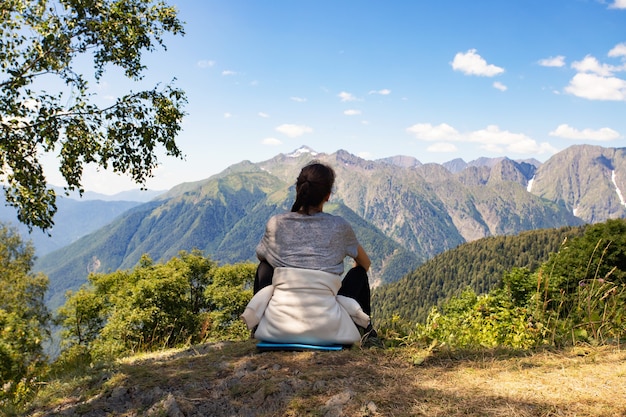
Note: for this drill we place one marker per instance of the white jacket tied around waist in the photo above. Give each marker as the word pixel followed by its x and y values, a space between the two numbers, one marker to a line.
pixel 302 306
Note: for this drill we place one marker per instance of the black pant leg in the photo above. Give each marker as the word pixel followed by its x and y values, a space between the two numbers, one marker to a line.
pixel 263 276
pixel 356 285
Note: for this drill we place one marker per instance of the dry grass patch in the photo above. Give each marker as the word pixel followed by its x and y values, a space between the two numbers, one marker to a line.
pixel 566 383
pixel 233 379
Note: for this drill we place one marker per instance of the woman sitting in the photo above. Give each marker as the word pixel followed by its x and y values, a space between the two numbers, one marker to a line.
pixel 299 294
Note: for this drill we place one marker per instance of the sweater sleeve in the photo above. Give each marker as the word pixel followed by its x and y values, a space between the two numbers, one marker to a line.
pixel 354 310
pixel 256 307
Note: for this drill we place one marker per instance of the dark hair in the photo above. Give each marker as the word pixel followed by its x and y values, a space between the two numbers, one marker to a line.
pixel 314 183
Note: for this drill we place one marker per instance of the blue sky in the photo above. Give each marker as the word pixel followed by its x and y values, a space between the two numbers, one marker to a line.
pixel 436 80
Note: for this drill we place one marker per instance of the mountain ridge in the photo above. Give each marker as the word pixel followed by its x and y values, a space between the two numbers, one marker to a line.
pixel 415 211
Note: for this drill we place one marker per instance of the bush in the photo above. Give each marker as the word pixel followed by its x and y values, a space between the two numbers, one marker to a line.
pixel 155 306
pixel 486 321
pixel 24 319
pixel 577 296
pixel 228 294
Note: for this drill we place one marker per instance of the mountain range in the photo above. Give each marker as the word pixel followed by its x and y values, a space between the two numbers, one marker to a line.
pixel 77 215
pixel 404 212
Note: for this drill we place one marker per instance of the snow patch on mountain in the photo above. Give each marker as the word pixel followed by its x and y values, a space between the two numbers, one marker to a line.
pixel 619 192
pixel 302 151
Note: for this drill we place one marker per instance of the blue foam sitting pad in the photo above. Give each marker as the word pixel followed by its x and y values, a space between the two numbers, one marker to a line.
pixel 267 346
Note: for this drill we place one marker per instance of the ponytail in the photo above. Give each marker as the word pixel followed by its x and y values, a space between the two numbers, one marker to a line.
pixel 314 183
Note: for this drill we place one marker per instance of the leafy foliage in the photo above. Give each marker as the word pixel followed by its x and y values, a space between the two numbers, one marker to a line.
pixel 598 254
pixel 46 106
pixel 541 307
pixel 479 265
pixel 154 306
pixel 23 318
pixel 486 321
pixel 580 292
pixel 227 295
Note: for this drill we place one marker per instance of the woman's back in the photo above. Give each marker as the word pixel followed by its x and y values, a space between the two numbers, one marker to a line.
pixel 300 295
pixel 318 241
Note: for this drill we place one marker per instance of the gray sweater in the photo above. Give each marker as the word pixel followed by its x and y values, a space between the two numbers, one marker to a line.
pixel 319 241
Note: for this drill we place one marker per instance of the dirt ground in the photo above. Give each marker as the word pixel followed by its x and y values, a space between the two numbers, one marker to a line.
pixel 233 379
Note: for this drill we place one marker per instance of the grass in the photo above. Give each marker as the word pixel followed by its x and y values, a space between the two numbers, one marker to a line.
pixel 231 378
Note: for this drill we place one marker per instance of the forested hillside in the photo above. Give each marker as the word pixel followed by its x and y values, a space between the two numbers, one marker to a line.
pixel 478 265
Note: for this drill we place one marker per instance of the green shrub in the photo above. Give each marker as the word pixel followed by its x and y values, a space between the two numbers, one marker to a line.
pixel 24 320
pixel 577 296
pixel 229 293
pixel 485 321
pixel 155 306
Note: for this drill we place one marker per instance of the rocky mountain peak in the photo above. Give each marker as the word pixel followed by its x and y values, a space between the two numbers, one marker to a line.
pixel 401 161
pixel 303 150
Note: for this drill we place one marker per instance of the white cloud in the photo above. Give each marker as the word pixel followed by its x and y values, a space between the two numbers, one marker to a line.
pixel 228 115
pixel 595 87
pixel 344 96
pixel 383 92
pixel 205 63
pixel 352 112
pixel 298 99
pixel 590 64
pixel 293 131
pixel 556 61
pixel 228 72
pixel 619 50
pixel 490 139
pixel 471 63
pixel 271 142
pixel 495 140
pixel 426 131
pixel 500 86
pixel 603 134
pixel 263 115
pixel 619 4
pixel 597 81
pixel 364 155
